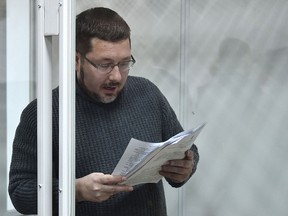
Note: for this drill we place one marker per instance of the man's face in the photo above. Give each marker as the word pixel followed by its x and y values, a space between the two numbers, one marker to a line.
pixel 103 87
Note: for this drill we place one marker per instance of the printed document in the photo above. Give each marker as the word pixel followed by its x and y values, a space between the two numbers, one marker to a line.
pixel 142 161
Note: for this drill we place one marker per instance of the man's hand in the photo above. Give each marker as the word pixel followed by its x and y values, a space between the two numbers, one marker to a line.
pixel 178 170
pixel 98 187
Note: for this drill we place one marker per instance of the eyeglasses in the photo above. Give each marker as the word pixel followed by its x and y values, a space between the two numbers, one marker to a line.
pixel 123 66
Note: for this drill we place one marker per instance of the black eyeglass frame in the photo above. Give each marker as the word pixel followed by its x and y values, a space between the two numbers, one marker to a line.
pixel 111 66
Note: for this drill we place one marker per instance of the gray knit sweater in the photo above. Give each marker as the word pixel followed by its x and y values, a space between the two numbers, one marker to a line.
pixel 102 134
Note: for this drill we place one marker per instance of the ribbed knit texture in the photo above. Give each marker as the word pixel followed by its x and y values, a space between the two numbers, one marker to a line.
pixel 102 134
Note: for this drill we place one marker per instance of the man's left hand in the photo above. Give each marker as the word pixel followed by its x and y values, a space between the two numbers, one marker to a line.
pixel 178 170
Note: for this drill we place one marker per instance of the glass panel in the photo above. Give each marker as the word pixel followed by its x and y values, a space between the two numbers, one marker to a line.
pixel 3 188
pixel 156 49
pixel 15 83
pixel 239 85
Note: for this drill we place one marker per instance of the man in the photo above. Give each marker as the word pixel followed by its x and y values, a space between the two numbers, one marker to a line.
pixel 111 108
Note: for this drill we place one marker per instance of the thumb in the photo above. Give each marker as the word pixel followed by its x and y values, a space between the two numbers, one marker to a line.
pixel 189 155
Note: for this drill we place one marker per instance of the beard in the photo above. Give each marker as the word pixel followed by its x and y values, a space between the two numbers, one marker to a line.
pixel 94 96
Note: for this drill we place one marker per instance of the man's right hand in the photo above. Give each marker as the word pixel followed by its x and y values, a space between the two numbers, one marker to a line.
pixel 98 187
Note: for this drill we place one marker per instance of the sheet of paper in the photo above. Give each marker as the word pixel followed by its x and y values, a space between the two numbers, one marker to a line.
pixel 134 154
pixel 142 161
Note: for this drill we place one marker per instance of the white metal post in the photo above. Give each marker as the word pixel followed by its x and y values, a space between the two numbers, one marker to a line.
pixel 67 109
pixel 184 36
pixel 44 114
pixel 56 18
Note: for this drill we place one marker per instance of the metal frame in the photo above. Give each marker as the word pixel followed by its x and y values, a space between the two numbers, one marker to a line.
pixel 67 109
pixel 44 113
pixel 184 96
pixel 56 18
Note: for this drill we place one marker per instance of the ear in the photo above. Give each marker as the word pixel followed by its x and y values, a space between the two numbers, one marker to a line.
pixel 77 61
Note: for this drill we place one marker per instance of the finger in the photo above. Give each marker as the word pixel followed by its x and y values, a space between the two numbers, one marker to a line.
pixel 113 189
pixel 109 179
pixel 104 192
pixel 179 163
pixel 176 170
pixel 173 177
pixel 101 196
pixel 188 155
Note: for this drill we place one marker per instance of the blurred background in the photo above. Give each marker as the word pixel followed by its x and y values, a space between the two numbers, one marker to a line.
pixel 223 62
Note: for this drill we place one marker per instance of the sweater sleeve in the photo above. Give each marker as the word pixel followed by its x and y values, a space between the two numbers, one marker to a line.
pixel 23 168
pixel 170 127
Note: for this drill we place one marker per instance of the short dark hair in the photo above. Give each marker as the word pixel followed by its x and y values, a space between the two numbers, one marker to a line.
pixel 102 23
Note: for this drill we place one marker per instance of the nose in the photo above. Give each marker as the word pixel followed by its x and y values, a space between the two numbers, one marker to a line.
pixel 115 74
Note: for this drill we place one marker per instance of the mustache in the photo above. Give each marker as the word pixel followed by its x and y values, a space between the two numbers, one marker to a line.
pixel 111 84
